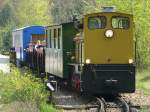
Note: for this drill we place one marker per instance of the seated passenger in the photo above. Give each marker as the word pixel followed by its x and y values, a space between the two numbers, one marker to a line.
pixel 79 37
pixel 38 44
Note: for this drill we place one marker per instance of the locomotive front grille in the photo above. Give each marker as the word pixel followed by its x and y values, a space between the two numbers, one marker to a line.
pixel 108 79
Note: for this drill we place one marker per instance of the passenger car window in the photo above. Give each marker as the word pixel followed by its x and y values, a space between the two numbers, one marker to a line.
pixel 98 22
pixel 55 37
pixel 59 35
pixel 50 38
pixel 120 22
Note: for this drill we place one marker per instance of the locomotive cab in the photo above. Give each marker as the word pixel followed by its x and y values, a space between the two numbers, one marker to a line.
pixel 106 53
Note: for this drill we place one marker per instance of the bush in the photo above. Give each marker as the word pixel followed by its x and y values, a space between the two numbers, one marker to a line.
pixel 24 88
pixel 143 81
pixel 21 87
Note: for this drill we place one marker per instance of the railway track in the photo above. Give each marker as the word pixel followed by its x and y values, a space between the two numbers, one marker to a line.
pixel 72 102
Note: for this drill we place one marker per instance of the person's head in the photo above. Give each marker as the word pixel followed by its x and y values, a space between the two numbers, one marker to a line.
pixel 38 42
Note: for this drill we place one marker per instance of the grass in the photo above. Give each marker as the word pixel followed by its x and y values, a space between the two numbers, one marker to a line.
pixel 143 81
pixel 46 108
pixel 21 92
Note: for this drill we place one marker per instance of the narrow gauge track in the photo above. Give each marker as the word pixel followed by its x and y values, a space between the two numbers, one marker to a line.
pixel 71 102
pixel 116 104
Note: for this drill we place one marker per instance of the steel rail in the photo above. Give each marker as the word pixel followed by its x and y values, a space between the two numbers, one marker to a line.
pixel 124 105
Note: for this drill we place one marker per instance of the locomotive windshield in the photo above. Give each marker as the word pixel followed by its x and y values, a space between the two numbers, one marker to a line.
pixel 120 22
pixel 98 22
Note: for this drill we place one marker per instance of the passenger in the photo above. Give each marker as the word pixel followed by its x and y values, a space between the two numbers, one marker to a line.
pixel 79 37
pixel 38 44
pixel 44 43
pixel 30 49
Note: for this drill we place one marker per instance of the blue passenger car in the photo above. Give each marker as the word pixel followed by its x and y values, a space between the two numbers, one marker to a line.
pixel 23 36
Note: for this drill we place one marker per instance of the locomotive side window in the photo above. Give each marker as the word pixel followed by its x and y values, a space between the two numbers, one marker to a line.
pixel 120 22
pixel 98 22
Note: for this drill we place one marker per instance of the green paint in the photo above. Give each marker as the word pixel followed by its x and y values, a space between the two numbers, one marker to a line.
pixel 69 33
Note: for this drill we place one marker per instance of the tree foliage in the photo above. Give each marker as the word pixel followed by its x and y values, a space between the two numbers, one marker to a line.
pixel 29 12
pixel 63 10
pixel 5 26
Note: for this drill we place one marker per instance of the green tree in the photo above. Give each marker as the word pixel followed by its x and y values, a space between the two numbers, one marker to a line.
pixel 5 28
pixel 30 12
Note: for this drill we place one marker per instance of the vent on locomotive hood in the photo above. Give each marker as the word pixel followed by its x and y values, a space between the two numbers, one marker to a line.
pixel 108 9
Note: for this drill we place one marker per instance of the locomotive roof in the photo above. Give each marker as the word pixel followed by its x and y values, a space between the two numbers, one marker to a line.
pixel 108 13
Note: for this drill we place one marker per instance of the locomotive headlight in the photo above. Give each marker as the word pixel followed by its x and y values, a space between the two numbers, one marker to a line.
pixel 87 61
pixel 131 61
pixel 109 33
